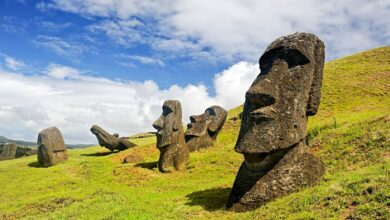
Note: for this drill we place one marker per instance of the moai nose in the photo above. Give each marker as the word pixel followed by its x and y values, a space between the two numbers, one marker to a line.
pixel 158 124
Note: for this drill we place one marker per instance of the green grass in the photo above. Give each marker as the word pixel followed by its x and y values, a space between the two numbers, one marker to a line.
pixel 351 134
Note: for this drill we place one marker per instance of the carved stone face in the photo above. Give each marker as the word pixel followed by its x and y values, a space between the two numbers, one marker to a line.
pixel 204 128
pixel 111 142
pixel 168 124
pixel 104 138
pixel 273 126
pixel 282 96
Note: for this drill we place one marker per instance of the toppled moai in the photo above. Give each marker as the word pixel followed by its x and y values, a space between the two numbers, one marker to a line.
pixel 111 142
pixel 274 123
pixel 174 152
pixel 51 147
pixel 204 128
pixel 9 152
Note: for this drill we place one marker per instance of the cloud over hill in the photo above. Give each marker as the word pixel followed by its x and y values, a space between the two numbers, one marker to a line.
pixel 73 100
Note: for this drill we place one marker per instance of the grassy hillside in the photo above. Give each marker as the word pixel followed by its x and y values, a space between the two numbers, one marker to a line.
pixel 351 134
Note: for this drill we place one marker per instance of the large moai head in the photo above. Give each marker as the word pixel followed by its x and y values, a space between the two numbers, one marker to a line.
pixel 274 123
pixel 204 128
pixel 284 94
pixel 170 137
pixel 169 124
pixel 111 142
pixel 51 147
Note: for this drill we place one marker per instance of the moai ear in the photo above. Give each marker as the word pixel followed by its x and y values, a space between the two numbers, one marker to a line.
pixel 219 120
pixel 177 119
pixel 216 124
pixel 315 90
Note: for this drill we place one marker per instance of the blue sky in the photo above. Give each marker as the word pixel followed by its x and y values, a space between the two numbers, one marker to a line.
pixel 42 36
pixel 74 63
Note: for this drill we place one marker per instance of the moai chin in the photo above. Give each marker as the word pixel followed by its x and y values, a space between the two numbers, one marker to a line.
pixel 274 123
pixel 174 152
pixel 204 128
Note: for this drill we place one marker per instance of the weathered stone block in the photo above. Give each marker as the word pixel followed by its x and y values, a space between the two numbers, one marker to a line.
pixel 9 152
pixel 51 147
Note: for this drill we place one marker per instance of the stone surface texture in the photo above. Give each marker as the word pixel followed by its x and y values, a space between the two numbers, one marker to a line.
pixel 204 128
pixel 51 147
pixel 274 123
pixel 112 142
pixel 9 152
pixel 20 152
pixel 174 152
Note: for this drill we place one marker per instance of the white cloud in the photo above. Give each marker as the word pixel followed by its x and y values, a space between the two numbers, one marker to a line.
pixel 61 46
pixel 231 84
pixel 62 72
pixel 54 26
pixel 13 24
pixel 233 29
pixel 122 32
pixel 66 72
pixel 119 8
pixel 144 59
pixel 71 100
pixel 13 63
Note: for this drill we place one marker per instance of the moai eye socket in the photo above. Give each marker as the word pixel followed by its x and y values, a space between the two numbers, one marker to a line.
pixel 293 57
pixel 259 100
pixel 166 110
pixel 211 111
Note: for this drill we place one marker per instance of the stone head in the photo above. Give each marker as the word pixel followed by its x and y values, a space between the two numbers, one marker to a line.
pixel 169 124
pixel 283 95
pixel 104 138
pixel 204 128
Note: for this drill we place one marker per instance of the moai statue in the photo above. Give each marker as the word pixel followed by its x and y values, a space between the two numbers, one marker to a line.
pixel 51 147
pixel 174 152
pixel 9 152
pixel 274 123
pixel 111 142
pixel 204 128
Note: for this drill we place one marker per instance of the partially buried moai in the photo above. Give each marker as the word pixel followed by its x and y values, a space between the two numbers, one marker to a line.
pixel 51 147
pixel 112 142
pixel 204 128
pixel 274 123
pixel 174 152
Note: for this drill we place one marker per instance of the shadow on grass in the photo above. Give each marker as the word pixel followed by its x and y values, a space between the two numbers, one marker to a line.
pixel 36 164
pixel 99 154
pixel 210 199
pixel 147 165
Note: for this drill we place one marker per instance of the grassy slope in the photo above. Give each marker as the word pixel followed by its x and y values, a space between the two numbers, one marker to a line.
pixel 350 133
